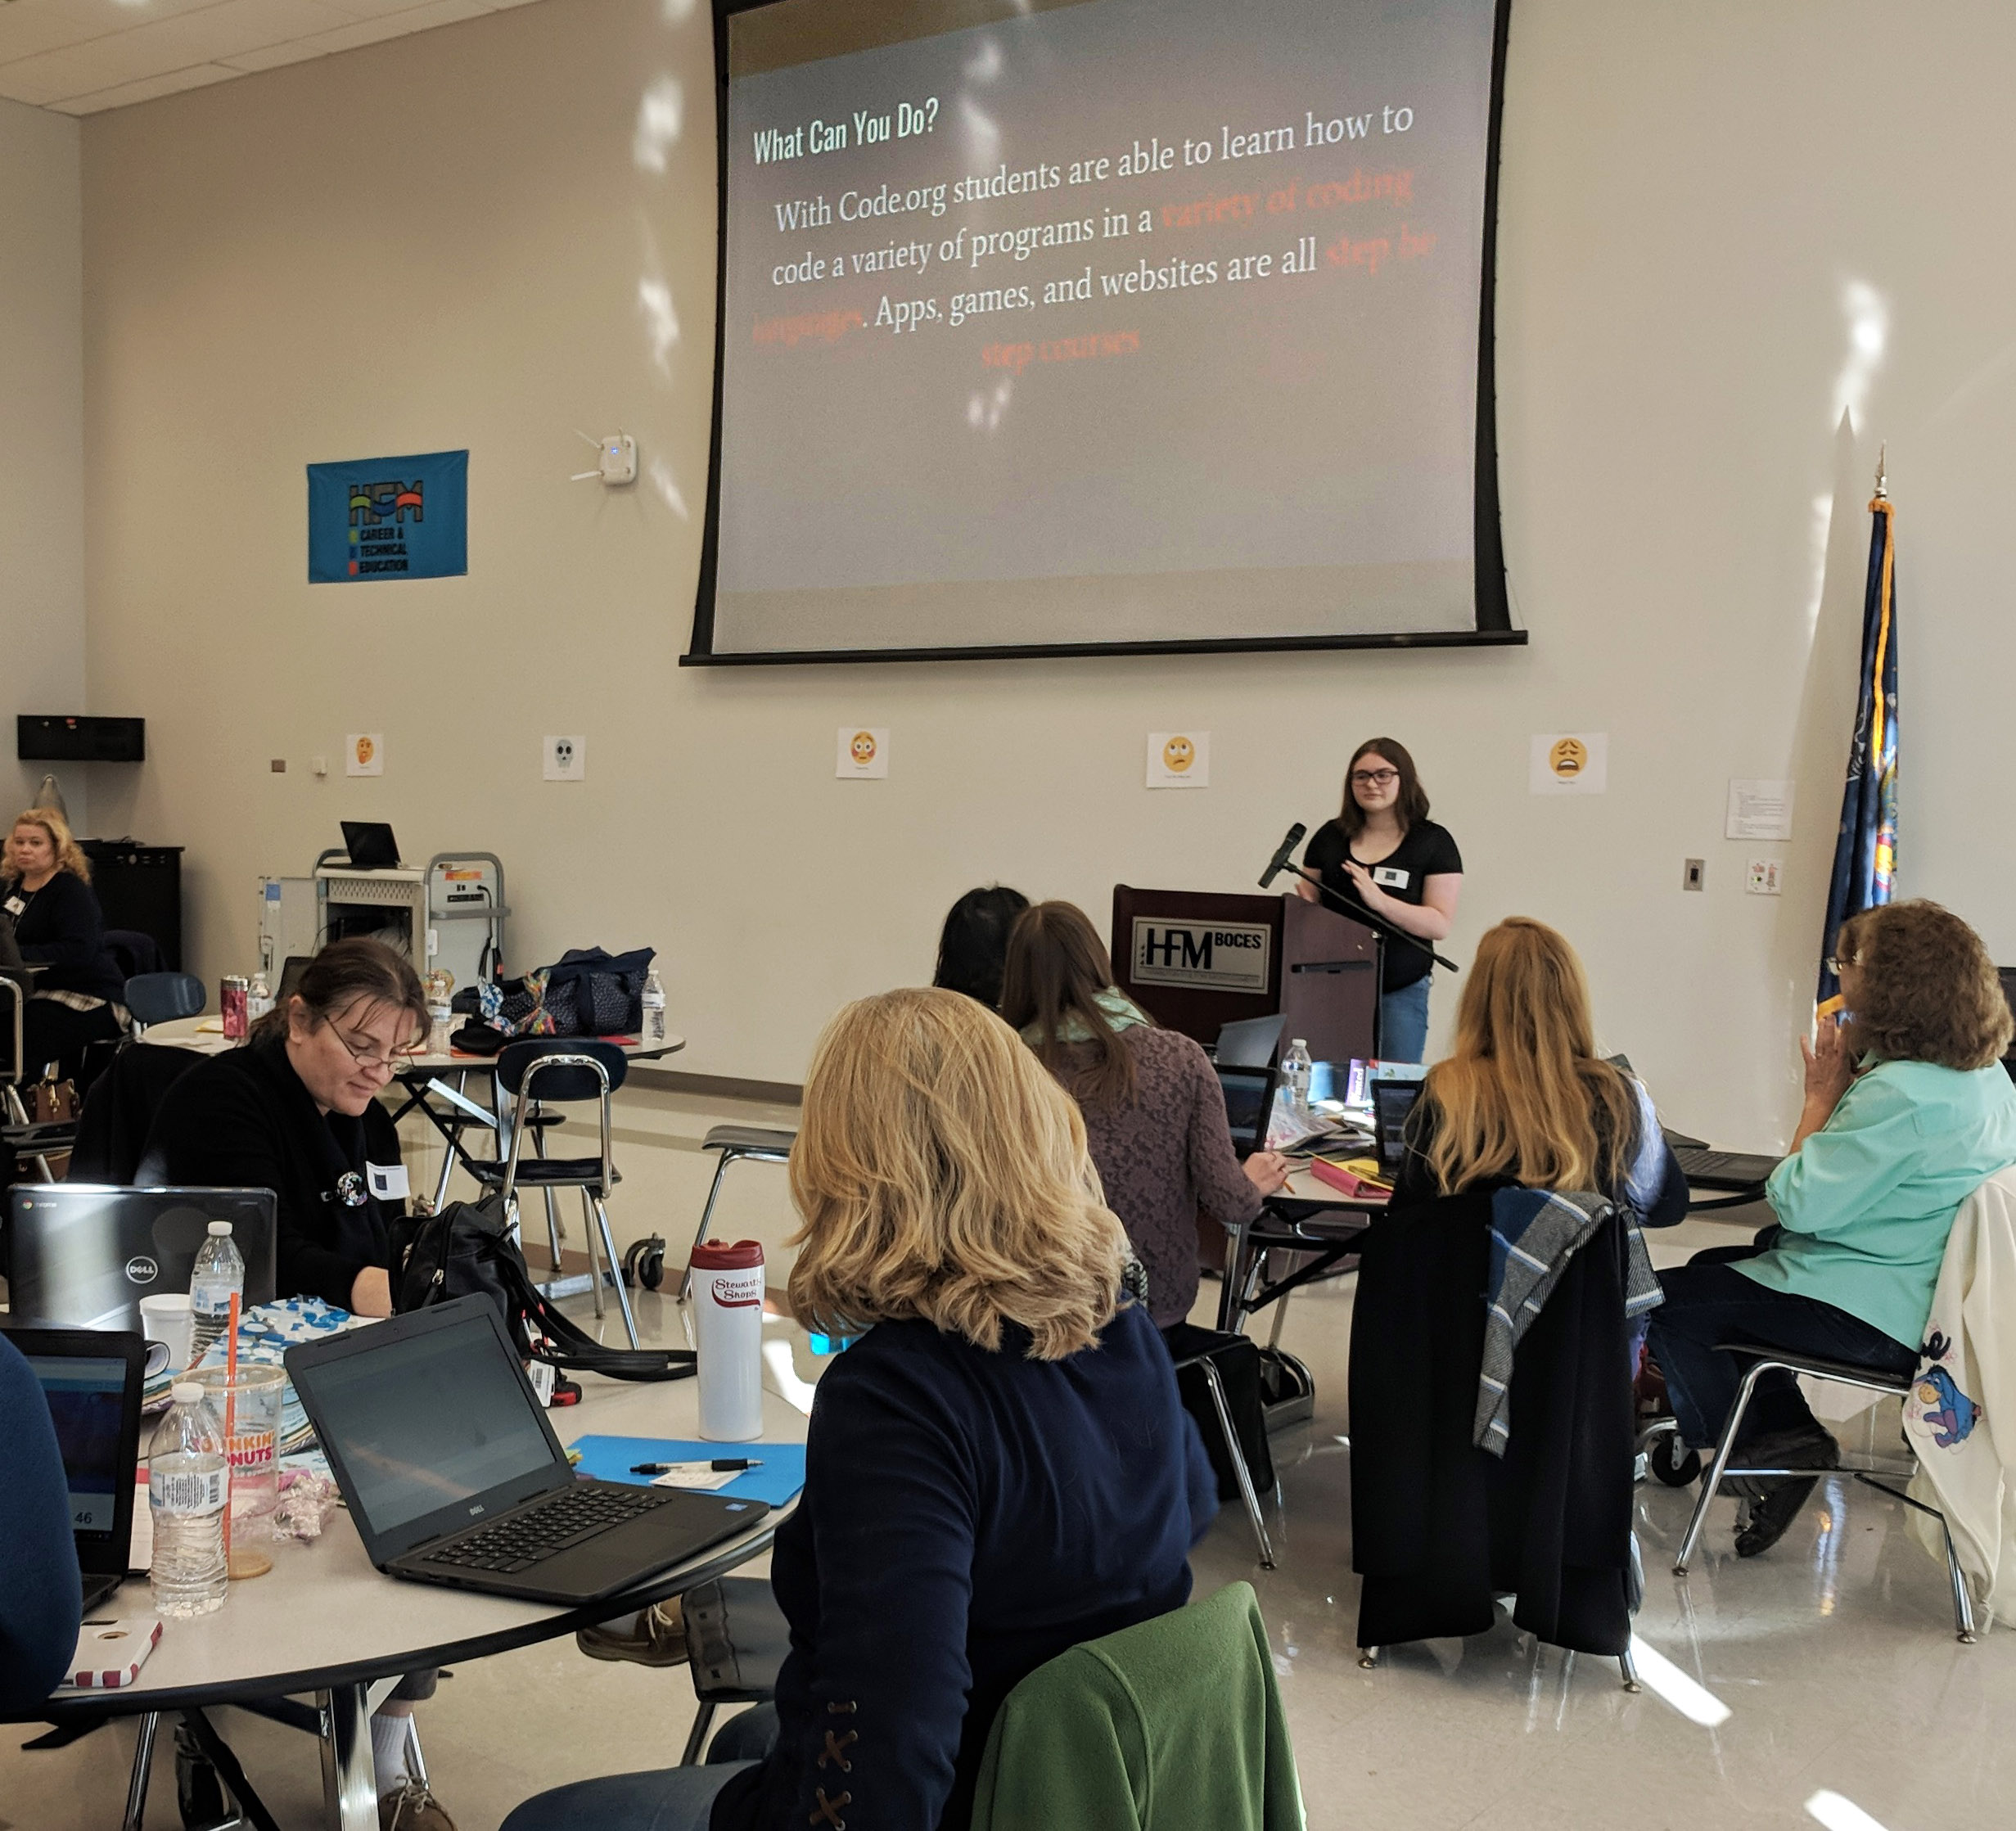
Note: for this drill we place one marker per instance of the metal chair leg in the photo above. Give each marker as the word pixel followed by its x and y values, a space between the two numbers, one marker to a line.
pixel 416 1762
pixel 696 1737
pixel 1368 1659
pixel 615 1277
pixel 142 1770
pixel 1628 1668
pixel 1713 1480
pixel 594 1264
pixel 552 1228
pixel 707 1214
pixel 1238 1457
pixel 1962 1597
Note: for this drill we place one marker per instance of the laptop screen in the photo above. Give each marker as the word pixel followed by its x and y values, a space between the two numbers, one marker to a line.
pixel 1391 1102
pixel 427 1422
pixel 86 1405
pixel 1249 1094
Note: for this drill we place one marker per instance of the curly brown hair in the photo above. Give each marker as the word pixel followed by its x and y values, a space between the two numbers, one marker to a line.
pixel 1928 990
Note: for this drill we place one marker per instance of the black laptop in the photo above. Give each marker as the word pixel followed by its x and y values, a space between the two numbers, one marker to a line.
pixel 83 1255
pixel 370 845
pixel 1391 1102
pixel 454 1475
pixel 1249 1104
pixel 92 1380
pixel 1721 1169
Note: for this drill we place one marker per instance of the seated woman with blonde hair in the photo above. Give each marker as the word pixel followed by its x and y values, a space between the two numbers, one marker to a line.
pixel 997 1470
pixel 1907 1111
pixel 1525 1099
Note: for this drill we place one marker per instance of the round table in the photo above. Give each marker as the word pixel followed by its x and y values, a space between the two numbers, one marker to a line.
pixel 324 1622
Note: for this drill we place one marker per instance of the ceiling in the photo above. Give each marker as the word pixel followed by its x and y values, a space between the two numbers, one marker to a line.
pixel 79 56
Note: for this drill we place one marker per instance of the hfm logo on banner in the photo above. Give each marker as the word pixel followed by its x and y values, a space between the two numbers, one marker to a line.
pixel 1223 956
pixel 379 547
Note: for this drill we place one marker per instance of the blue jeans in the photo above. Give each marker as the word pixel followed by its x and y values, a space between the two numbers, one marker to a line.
pixel 670 1799
pixel 1708 1301
pixel 1404 1022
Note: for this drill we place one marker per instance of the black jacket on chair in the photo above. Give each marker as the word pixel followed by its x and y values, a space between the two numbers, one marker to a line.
pixel 1439 1526
pixel 243 1120
pixel 118 1111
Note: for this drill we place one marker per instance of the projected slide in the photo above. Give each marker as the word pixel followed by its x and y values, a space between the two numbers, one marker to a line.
pixel 1127 322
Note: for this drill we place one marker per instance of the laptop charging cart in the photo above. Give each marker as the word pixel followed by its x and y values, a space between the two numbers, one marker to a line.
pixel 450 915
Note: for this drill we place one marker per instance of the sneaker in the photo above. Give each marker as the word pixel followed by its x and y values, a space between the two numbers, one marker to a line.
pixel 653 1636
pixel 1784 1498
pixel 411 1807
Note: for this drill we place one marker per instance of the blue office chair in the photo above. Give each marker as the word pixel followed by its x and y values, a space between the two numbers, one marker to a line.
pixel 566 1070
pixel 159 998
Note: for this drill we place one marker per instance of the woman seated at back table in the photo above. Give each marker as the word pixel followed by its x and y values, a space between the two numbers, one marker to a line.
pixel 996 1470
pixel 45 888
pixel 1907 1111
pixel 1524 1099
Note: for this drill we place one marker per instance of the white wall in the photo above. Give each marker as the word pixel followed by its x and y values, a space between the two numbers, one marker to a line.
pixel 42 436
pixel 450 240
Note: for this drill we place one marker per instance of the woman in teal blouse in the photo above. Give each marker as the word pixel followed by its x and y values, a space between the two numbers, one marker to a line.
pixel 1908 1110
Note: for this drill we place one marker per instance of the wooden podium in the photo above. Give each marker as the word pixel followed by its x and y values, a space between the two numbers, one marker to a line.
pixel 1195 961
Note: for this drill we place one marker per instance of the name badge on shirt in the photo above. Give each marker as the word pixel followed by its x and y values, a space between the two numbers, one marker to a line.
pixel 16 908
pixel 388 1181
pixel 1388 876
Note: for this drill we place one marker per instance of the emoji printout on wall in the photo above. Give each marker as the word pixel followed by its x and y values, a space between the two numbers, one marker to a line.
pixel 1179 760
pixel 863 752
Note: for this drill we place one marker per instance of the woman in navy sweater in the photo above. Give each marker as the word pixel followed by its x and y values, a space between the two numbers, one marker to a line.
pixel 997 1470
pixel 41 1593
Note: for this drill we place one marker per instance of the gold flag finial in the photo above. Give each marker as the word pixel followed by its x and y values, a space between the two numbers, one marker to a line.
pixel 1883 451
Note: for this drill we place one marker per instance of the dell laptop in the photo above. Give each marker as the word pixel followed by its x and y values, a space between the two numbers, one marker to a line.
pixel 92 1379
pixel 453 1474
pixel 83 1255
pixel 370 845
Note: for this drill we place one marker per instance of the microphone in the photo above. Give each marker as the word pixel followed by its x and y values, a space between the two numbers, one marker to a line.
pixel 1278 862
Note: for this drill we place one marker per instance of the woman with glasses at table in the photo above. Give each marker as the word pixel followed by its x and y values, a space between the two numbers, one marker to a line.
pixel 296 1110
pixel 1382 852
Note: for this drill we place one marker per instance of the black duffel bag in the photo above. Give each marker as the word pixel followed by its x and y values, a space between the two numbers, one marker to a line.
pixel 467 1248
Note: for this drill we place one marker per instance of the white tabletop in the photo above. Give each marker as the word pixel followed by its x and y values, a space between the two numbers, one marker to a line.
pixel 191 1033
pixel 322 1615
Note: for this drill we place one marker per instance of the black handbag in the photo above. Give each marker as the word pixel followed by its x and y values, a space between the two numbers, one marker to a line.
pixel 467 1248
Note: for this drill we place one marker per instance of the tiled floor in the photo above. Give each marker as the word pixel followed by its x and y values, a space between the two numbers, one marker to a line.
pixel 1833 1657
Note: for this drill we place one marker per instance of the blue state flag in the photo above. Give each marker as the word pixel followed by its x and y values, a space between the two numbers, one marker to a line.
pixel 1865 851
pixel 381 518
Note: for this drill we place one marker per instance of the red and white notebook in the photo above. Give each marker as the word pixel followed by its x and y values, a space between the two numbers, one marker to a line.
pixel 110 1652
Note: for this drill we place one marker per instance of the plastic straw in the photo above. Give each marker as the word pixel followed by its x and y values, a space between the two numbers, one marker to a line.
pixel 231 1410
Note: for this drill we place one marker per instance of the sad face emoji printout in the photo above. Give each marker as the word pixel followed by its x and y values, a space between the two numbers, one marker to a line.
pixel 1178 754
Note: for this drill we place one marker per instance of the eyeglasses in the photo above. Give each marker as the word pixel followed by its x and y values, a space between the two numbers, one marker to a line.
pixel 1835 965
pixel 1373 778
pixel 378 1064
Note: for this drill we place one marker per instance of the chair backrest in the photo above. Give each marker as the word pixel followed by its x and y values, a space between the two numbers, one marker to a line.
pixel 118 1111
pixel 561 1083
pixel 159 998
pixel 1192 1690
pixel 134 953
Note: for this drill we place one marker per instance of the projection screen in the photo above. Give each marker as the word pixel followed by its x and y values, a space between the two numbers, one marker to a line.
pixel 1133 325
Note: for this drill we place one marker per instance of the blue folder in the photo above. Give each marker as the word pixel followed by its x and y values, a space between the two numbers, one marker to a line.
pixel 610 1459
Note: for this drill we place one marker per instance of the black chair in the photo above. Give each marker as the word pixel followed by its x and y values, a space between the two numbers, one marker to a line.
pixel 118 1111
pixel 1205 1360
pixel 759 1145
pixel 159 998
pixel 135 954
pixel 736 1640
pixel 565 1071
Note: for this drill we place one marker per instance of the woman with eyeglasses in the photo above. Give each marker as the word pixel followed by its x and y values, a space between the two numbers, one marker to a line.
pixel 296 1110
pixel 1384 854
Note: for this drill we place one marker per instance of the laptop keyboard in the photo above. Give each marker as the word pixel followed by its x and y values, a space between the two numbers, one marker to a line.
pixel 1724 1163
pixel 554 1526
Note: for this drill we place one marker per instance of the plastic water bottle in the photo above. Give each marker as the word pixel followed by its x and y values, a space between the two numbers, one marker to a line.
pixel 728 1317
pixel 1296 1070
pixel 188 1489
pixel 218 1277
pixel 653 1002
pixel 257 1000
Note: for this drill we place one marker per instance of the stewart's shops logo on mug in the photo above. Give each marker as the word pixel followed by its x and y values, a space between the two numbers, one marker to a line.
pixel 738 1290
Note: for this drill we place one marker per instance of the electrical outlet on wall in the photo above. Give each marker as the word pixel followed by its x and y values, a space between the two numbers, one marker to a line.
pixel 1765 876
pixel 1693 875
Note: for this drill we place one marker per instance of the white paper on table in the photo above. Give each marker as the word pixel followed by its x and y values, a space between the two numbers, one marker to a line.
pixel 695 1476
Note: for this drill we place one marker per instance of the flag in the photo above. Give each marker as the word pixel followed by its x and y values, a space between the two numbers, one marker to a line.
pixel 1865 850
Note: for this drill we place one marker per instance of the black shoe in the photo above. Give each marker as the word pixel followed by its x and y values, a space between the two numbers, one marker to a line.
pixel 1791 1449
pixel 1784 1497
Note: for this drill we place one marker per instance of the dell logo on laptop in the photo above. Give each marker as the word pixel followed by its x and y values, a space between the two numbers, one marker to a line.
pixel 140 1269
pixel 475 1509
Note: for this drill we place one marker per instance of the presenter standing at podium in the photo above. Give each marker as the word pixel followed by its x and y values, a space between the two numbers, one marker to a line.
pixel 1384 854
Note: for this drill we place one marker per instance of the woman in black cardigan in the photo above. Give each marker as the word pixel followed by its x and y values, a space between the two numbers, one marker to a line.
pixel 45 890
pixel 296 1110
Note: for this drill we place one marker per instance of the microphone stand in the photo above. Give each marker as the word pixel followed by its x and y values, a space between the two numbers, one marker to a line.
pixel 1357 911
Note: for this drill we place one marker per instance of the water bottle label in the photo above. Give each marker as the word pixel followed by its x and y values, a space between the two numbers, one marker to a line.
pixel 738 1290
pixel 209 1297
pixel 188 1491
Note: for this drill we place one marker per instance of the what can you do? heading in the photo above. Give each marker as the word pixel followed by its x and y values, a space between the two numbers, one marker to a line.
pixel 809 139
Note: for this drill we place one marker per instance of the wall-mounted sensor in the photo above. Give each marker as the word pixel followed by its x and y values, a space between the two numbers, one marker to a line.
pixel 615 459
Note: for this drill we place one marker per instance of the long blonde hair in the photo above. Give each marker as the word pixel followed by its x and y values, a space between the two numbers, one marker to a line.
pixel 1522 1092
pixel 69 855
pixel 941 1174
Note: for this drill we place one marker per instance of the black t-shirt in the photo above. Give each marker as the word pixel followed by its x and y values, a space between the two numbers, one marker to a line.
pixel 1427 851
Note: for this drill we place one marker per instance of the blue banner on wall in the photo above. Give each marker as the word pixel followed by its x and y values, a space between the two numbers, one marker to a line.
pixel 389 518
